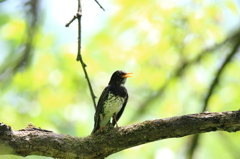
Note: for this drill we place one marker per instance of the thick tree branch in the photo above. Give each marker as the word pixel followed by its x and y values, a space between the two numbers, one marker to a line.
pixel 36 141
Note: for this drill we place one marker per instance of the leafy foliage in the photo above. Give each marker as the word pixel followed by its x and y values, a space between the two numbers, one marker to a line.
pixel 173 48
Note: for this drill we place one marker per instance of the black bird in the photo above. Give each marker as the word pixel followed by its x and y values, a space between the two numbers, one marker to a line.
pixel 112 101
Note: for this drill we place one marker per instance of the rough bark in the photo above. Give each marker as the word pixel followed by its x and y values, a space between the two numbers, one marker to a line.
pixel 36 141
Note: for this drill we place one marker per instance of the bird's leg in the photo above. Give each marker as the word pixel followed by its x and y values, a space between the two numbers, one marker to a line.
pixel 101 128
pixel 114 118
pixel 102 118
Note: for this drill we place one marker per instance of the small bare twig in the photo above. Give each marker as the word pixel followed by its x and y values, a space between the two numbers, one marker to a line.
pixel 79 56
pixel 74 17
pixel 99 5
pixel 80 11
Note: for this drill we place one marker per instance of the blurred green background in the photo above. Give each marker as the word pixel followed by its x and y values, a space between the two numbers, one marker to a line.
pixel 174 48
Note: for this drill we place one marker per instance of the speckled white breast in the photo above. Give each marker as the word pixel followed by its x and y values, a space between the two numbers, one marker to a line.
pixel 113 105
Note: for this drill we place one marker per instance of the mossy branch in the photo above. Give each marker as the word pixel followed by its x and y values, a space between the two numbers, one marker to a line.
pixel 37 141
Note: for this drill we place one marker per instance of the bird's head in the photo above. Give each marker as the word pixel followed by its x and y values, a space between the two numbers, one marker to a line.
pixel 119 78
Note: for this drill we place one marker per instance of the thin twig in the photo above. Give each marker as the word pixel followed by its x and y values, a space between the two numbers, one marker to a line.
pixel 79 56
pixel 79 10
pixel 100 5
pixel 74 17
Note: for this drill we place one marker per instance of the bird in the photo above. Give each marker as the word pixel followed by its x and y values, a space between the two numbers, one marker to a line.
pixel 112 101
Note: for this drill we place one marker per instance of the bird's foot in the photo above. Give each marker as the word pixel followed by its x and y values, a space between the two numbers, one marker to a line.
pixel 114 118
pixel 101 128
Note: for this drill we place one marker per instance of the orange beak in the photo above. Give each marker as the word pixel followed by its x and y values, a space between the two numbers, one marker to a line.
pixel 127 75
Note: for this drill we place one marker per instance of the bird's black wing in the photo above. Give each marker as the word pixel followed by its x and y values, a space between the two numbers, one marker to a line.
pixel 119 114
pixel 99 109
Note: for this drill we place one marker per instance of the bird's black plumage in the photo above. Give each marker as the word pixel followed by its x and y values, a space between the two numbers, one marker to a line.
pixel 112 101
